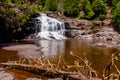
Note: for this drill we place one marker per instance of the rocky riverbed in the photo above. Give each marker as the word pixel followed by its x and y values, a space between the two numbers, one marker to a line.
pixel 5 76
pixel 105 37
pixel 42 79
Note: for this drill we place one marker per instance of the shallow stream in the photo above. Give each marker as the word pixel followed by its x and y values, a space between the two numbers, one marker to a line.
pixel 53 49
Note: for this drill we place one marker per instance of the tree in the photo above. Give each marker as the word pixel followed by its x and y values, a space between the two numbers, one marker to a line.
pixel 116 14
pixel 8 1
pixel 100 8
pixel 71 7
pixel 41 2
pixel 51 5
pixel 87 9
pixel 13 19
pixel 109 2
pixel 114 2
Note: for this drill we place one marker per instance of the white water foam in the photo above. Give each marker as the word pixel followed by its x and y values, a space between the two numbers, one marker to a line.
pixel 50 28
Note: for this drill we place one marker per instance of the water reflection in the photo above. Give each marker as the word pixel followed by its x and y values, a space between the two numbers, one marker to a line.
pixel 55 48
pixel 99 57
pixel 52 48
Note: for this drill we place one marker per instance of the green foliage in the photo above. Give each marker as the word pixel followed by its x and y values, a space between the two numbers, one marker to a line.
pixel 8 1
pixel 11 11
pixel 22 6
pixel 18 1
pixel 102 16
pixel 116 14
pixel 41 2
pixel 34 9
pixel 51 5
pixel 99 7
pixel 114 2
pixel 71 7
pixel 87 9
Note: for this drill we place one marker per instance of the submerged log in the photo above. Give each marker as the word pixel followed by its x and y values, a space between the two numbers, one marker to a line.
pixel 46 71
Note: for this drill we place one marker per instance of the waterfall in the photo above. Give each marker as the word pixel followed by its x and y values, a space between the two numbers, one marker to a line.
pixel 49 28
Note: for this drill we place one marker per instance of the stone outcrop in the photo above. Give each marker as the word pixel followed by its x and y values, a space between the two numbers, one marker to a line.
pixel 105 37
pixel 42 79
pixel 5 76
pixel 33 79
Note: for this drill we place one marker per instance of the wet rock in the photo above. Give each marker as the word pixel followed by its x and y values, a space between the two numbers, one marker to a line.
pixel 56 79
pixel 107 34
pixel 107 37
pixel 5 76
pixel 41 79
pixel 80 24
pixel 67 25
pixel 99 44
pixel 88 37
pixel 69 34
pixel 33 79
pixel 73 34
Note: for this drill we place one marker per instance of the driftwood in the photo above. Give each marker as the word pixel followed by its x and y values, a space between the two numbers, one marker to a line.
pixel 61 69
pixel 107 73
pixel 47 70
pixel 52 72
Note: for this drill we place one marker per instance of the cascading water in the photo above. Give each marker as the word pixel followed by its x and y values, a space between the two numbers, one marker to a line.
pixel 49 28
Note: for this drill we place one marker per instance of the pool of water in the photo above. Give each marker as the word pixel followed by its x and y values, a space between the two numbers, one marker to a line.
pixel 53 49
pixel 97 56
pixel 8 55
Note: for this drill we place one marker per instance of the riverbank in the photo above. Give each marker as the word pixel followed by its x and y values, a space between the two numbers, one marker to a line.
pixel 26 50
pixel 104 37
pixel 75 45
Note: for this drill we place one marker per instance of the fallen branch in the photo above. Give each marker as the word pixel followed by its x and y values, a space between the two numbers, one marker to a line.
pixel 52 71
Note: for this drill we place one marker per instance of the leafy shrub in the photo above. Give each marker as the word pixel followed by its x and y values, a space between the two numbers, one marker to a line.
pixel 102 16
pixel 34 9
pixel 116 14
pixel 114 2
pixel 22 6
pixel 71 7
pixel 99 7
pixel 41 2
pixel 87 9
pixel 8 1
pixel 51 5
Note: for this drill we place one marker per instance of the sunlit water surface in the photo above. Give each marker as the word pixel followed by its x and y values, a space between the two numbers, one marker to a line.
pixel 99 57
pixel 53 49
